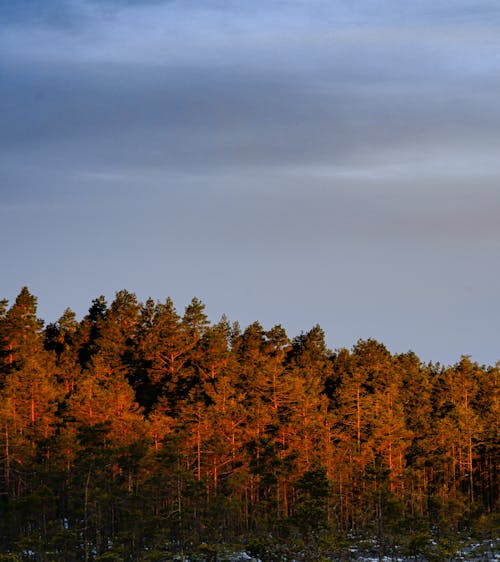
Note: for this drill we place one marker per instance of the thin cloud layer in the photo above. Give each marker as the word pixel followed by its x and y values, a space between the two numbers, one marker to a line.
pixel 355 137
pixel 260 96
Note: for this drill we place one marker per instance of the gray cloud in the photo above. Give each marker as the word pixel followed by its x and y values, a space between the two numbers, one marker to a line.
pixel 180 118
pixel 215 97
pixel 249 153
pixel 51 13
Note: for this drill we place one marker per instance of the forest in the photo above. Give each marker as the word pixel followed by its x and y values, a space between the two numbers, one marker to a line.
pixel 141 433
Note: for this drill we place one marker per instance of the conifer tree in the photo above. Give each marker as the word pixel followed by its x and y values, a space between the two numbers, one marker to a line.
pixel 62 338
pixel 139 433
pixel 30 392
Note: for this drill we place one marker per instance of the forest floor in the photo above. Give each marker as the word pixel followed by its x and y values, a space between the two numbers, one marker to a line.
pixel 478 552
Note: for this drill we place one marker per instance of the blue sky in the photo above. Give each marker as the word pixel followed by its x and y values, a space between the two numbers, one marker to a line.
pixel 292 162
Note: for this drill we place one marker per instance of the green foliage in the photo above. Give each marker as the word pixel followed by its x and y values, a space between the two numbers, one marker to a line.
pixel 109 557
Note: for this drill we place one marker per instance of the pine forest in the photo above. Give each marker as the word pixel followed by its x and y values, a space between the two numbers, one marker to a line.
pixel 144 433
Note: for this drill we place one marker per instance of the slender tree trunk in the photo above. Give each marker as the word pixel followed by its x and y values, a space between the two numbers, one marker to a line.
pixel 198 450
pixel 7 460
pixel 32 416
pixel 470 467
pixel 358 419
pixel 215 475
pixel 85 516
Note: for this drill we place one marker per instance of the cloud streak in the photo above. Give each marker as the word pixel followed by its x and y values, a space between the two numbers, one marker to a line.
pixel 323 97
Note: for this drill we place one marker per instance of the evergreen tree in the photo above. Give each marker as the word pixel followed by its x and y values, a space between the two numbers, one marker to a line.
pixel 138 433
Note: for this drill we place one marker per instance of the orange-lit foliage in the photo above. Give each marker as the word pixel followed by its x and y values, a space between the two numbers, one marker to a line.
pixel 137 428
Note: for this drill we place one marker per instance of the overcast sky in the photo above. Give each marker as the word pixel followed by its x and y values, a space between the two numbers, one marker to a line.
pixel 292 162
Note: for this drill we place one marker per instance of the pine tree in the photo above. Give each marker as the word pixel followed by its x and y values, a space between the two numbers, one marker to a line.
pixel 29 395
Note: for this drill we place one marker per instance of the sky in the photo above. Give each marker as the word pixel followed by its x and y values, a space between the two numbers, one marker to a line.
pixel 293 162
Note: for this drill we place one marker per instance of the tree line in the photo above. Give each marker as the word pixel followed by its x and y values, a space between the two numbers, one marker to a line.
pixel 139 433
